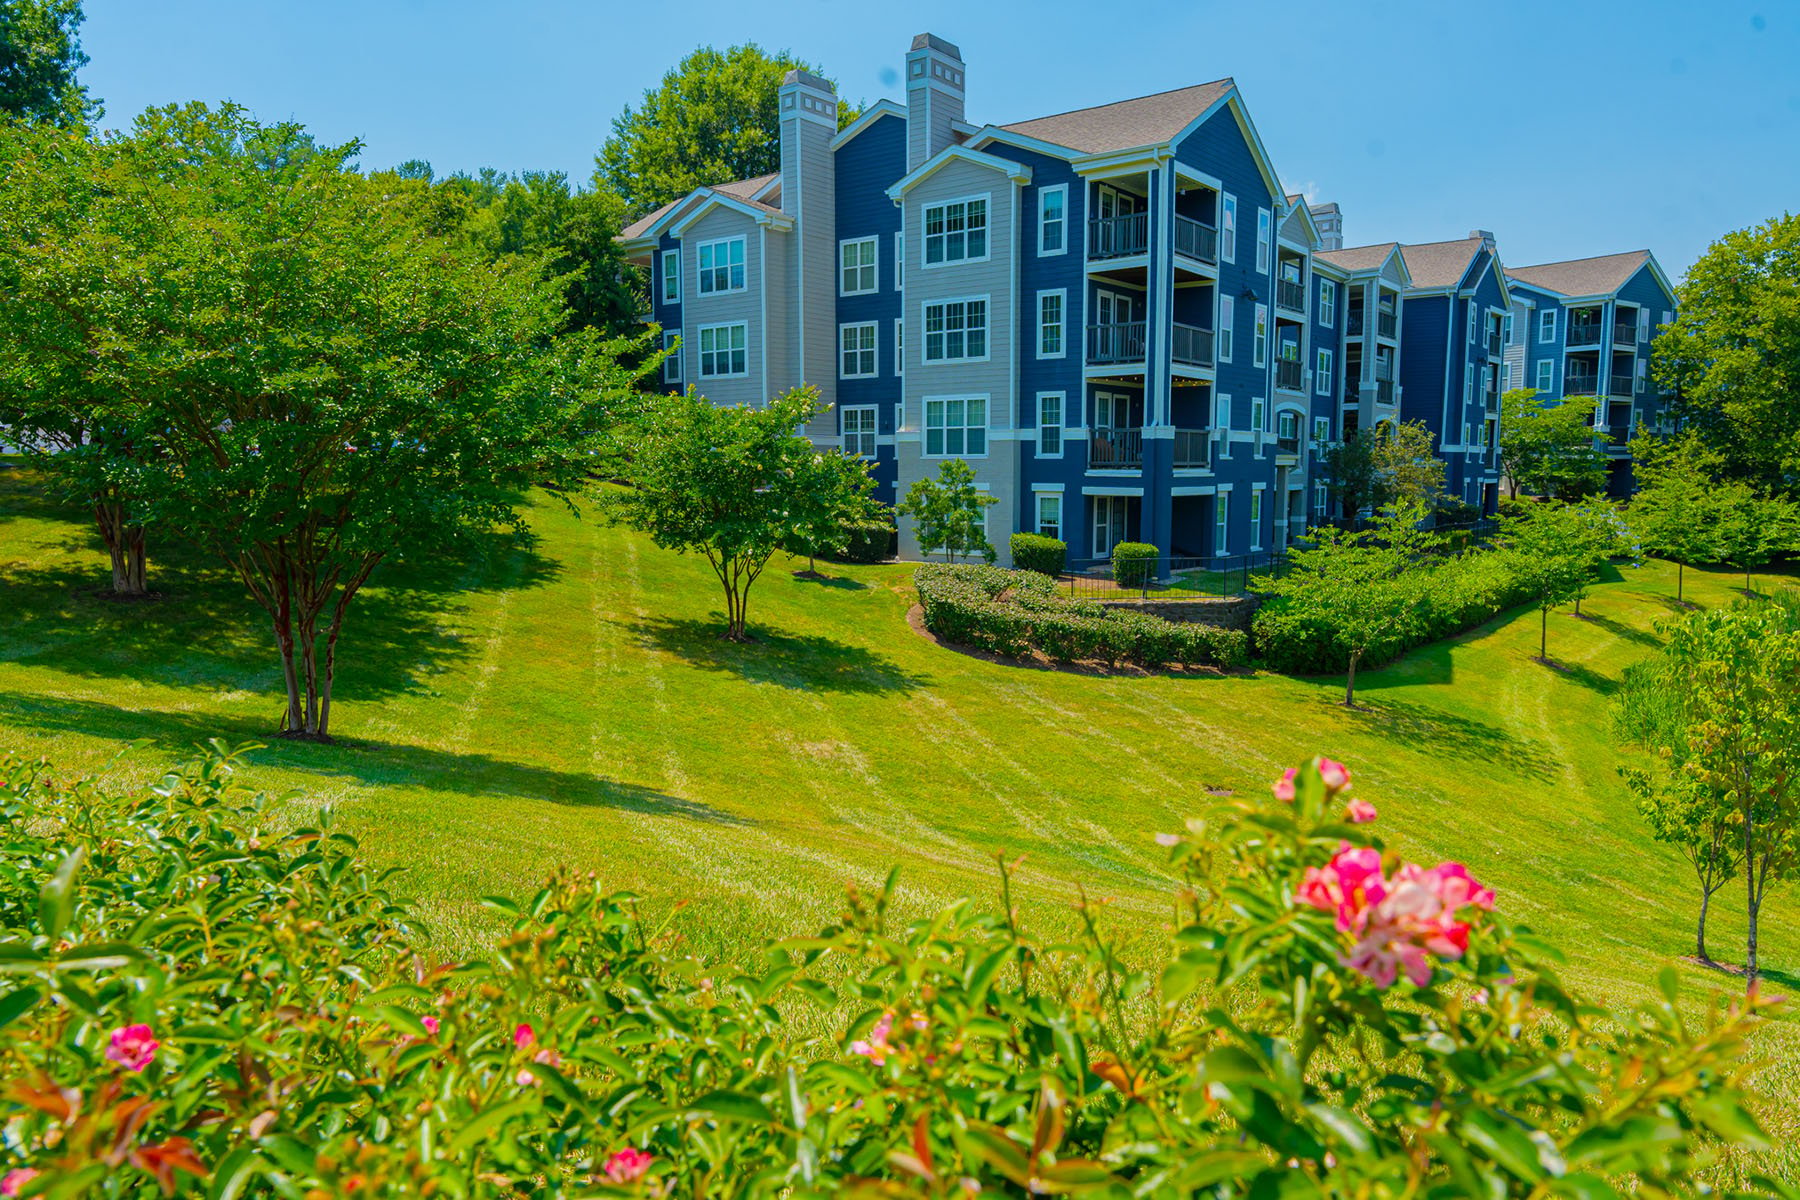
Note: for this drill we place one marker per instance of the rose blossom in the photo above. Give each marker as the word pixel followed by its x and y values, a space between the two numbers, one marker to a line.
pixel 1284 787
pixel 628 1165
pixel 1359 812
pixel 876 1048
pixel 15 1179
pixel 132 1047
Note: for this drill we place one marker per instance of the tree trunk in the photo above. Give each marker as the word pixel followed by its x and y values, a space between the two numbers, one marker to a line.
pixel 1750 946
pixel 1680 568
pixel 124 545
pixel 1700 935
pixel 1543 633
pixel 1350 681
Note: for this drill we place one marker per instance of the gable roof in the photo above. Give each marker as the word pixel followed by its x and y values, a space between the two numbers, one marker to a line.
pixel 1125 124
pixel 740 190
pixel 1441 264
pixel 1016 172
pixel 1584 276
pixel 1359 258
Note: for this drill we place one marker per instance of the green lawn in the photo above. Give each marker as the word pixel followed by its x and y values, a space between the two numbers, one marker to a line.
pixel 570 704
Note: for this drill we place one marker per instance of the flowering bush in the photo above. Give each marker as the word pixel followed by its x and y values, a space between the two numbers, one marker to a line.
pixel 196 1003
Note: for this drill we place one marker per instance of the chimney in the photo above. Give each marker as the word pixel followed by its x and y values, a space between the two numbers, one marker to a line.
pixel 1486 236
pixel 1330 220
pixel 934 97
pixel 807 107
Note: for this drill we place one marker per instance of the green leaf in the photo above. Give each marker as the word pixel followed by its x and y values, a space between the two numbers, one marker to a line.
pixel 488 1122
pixel 17 1003
pixel 56 902
pixel 98 956
pixel 232 1173
pixel 731 1106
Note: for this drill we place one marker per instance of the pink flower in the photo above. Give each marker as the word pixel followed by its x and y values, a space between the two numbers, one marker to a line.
pixel 876 1048
pixel 1168 839
pixel 1359 812
pixel 1284 787
pixel 1397 923
pixel 1350 885
pixel 430 1024
pixel 1335 774
pixel 15 1179
pixel 1457 888
pixel 132 1047
pixel 523 1036
pixel 548 1057
pixel 628 1165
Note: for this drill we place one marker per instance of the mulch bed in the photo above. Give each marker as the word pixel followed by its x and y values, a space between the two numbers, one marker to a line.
pixel 1037 661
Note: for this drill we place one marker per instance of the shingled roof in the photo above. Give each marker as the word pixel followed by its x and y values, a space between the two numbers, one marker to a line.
pixel 1440 264
pixel 1596 276
pixel 740 189
pixel 1145 121
pixel 1357 258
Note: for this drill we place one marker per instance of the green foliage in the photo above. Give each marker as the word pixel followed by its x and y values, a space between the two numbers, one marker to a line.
pixel 947 512
pixel 734 484
pixel 1387 465
pixel 1754 529
pixel 1556 548
pixel 1547 446
pixel 1133 564
pixel 1013 613
pixel 1733 353
pixel 197 998
pixel 1035 552
pixel 1674 512
pixel 40 52
pixel 712 120
pixel 870 541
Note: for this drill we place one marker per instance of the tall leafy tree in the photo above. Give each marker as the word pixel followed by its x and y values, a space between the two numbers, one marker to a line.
pixel 947 512
pixel 324 382
pixel 1388 465
pixel 1555 551
pixel 1733 353
pixel 1675 513
pixel 40 53
pixel 1547 446
pixel 712 119
pixel 1752 529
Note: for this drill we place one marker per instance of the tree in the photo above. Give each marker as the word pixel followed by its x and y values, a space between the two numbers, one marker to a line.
pixel 1753 529
pixel 1355 584
pixel 711 120
pixel 1674 513
pixel 734 484
pixel 1555 550
pixel 1681 810
pixel 1377 468
pixel 1351 474
pixel 1733 353
pixel 832 495
pixel 40 52
pixel 1547 446
pixel 1729 677
pixel 947 512
pixel 322 382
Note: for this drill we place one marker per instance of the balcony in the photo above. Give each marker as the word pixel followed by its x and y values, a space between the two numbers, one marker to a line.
pixel 1193 346
pixel 1583 335
pixel 1195 239
pixel 1353 324
pixel 1115 449
pixel 1493 344
pixel 1386 323
pixel 1122 342
pixel 1291 295
pixel 1581 384
pixel 1621 384
pixel 1384 391
pixel 1118 237
pixel 1490 400
pixel 1625 335
pixel 1193 449
pixel 1287 374
pixel 1288 444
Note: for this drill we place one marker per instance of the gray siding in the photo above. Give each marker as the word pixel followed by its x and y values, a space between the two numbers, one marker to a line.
pixel 722 308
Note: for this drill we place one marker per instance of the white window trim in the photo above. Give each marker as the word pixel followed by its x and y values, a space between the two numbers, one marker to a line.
pixel 988 230
pixel 1225 340
pixel 1228 203
pixel 988 329
pixel 1037 514
pixel 1222 414
pixel 1472 324
pixel 1259 337
pixel 1063 295
pixel 1265 240
pixel 671 257
pixel 700 273
pixel 899 260
pixel 1539 382
pixel 1323 370
pixel 1547 328
pixel 1061 189
pixel 1222 521
pixel 674 360
pixel 874 328
pixel 986 426
pixel 899 347
pixel 1256 516
pixel 1062 418
pixel 1327 313
pixel 874 431
pixel 1468 383
pixel 700 358
pixel 874 242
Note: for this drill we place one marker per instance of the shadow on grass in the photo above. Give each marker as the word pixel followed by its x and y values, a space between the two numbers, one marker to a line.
pixel 383 764
pixel 789 660
pixel 1407 722
pixel 839 582
pixel 1621 630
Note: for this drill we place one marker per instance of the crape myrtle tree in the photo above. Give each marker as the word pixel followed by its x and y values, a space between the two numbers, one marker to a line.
pixel 1547 446
pixel 325 383
pixel 734 484
pixel 833 497
pixel 947 512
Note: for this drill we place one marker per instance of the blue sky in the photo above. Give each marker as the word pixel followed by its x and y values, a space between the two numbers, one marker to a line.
pixel 1568 128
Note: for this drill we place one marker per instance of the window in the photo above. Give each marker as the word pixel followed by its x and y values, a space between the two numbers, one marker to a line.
pixel 956 330
pixel 899 258
pixel 1050 424
pixel 1050 323
pixel 899 345
pixel 1227 327
pixel 1506 377
pixel 723 351
pixel 1228 228
pixel 856 350
pixel 1668 317
pixel 1471 337
pixel 1259 340
pixel 1506 329
pixel 1049 514
pixel 1465 434
pixel 859 430
pixel 1256 519
pixel 1321 435
pixel 1546 375
pixel 1257 413
pixel 671 277
pixel 1322 374
pixel 1222 417
pixel 1638 386
pixel 956 231
pixel 1053 219
pixel 722 266
pixel 1264 229
pixel 672 364
pixel 1222 522
pixel 1547 325
pixel 955 426
pixel 1643 325
pixel 1321 498
pixel 1468 383
pixel 858 272
pixel 1327 302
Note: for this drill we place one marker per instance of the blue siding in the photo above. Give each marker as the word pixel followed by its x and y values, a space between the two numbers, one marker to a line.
pixel 866 166
pixel 1065 271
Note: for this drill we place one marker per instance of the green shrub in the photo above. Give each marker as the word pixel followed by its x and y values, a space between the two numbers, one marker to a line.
pixel 1035 552
pixel 1133 564
pixel 874 542
pixel 196 1000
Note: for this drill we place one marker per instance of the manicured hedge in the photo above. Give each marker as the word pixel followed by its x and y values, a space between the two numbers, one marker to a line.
pixel 1035 552
pixel 871 543
pixel 1012 613
pixel 1453 594
pixel 1133 564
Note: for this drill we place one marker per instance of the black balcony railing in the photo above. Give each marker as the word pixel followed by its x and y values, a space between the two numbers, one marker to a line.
pixel 1111 449
pixel 1288 444
pixel 1491 400
pixel 1384 371
pixel 1287 374
pixel 1616 433
pixel 1579 384
pixel 1385 324
pixel 1353 323
pixel 1193 346
pixel 1118 237
pixel 1583 334
pixel 1493 343
pixel 1122 342
pixel 1196 239
pixel 1621 384
pixel 1291 295
pixel 1624 336
pixel 1193 448
pixel 1384 391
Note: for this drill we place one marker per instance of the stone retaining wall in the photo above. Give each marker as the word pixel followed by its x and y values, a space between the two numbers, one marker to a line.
pixel 1227 612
